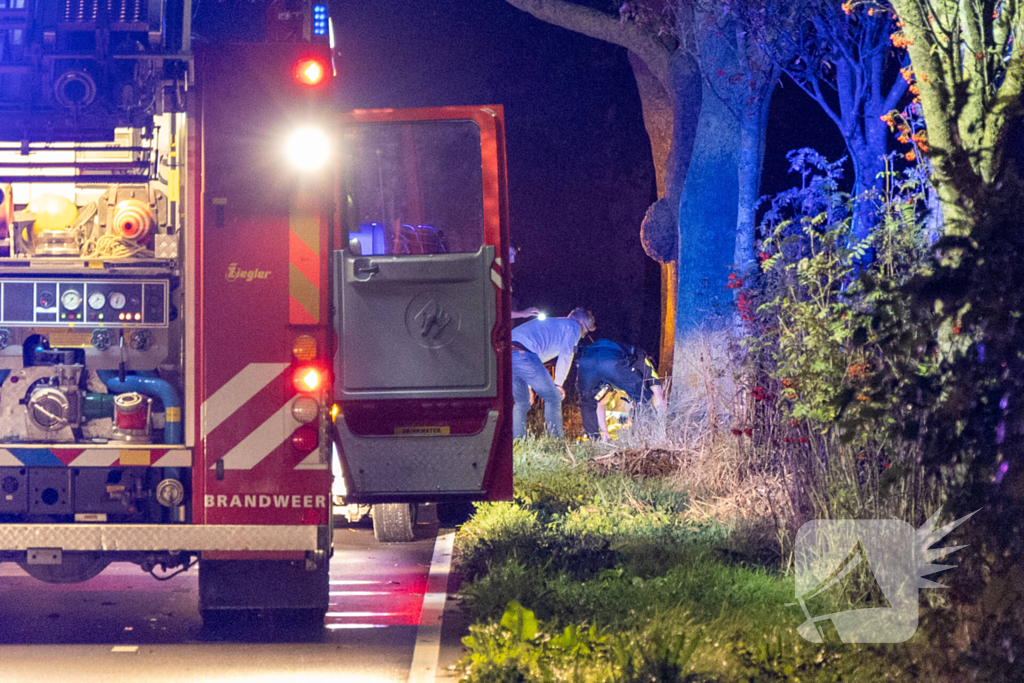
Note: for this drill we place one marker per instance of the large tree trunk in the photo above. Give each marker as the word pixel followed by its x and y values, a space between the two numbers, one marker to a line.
pixel 701 373
pixel 751 160
pixel 670 119
pixel 665 78
pixel 708 218
pixel 717 214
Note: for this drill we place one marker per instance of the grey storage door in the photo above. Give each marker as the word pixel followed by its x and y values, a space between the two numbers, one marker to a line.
pixel 414 303
pixel 414 326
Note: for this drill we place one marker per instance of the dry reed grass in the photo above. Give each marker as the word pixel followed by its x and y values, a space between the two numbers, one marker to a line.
pixel 729 480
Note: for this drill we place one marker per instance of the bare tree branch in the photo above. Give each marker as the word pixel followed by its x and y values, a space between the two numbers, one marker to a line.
pixel 645 43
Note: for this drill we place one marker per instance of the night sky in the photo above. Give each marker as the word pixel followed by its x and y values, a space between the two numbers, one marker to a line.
pixel 580 171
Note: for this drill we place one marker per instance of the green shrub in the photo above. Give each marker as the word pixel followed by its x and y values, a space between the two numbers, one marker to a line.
pixel 519 648
pixel 589 577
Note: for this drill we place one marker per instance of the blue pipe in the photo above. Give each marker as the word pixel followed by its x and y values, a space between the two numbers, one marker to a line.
pixel 153 386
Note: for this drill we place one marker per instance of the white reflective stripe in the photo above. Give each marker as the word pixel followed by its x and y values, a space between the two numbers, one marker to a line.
pixel 7 459
pixel 497 279
pixel 158 537
pixel 176 458
pixel 312 462
pixel 236 391
pixel 96 457
pixel 261 441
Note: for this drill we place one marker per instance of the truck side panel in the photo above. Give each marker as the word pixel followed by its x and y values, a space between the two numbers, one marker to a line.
pixel 262 229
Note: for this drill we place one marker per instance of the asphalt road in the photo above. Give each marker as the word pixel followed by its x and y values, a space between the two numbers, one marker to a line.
pixel 125 626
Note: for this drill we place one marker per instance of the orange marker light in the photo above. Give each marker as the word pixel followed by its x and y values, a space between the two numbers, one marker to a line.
pixel 307 379
pixel 304 347
pixel 309 72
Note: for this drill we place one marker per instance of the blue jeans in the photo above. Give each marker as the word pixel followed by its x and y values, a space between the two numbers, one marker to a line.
pixel 529 372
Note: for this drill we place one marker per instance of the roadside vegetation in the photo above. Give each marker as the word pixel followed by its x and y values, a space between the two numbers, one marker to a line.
pixel 669 554
pixel 599 572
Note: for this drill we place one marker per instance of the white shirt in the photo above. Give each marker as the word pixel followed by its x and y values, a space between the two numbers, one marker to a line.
pixel 549 338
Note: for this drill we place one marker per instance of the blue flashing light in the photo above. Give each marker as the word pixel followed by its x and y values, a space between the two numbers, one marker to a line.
pixel 319 20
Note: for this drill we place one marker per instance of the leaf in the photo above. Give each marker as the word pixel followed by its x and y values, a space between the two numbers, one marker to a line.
pixel 520 621
pixel 566 640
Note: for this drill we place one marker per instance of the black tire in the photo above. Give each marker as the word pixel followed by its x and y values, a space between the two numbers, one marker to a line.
pixel 394 522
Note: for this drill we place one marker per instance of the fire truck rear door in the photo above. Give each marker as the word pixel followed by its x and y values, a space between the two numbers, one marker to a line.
pixel 415 302
pixel 418 293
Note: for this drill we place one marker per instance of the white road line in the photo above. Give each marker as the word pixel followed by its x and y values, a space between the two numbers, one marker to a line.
pixel 125 648
pixel 428 633
pixel 353 582
pixel 360 593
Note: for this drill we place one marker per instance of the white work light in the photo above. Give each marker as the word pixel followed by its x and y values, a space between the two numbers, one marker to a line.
pixel 307 149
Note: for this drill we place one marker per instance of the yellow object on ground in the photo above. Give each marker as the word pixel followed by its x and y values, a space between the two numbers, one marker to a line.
pixel 616 412
pixel 53 212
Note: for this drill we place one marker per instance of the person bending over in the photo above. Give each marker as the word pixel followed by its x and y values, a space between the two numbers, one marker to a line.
pixel 605 365
pixel 533 344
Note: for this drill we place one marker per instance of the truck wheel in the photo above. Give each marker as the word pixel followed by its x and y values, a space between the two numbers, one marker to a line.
pixel 393 522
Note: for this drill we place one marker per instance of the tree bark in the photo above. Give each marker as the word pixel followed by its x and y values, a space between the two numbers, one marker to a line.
pixel 656 105
pixel 708 219
pixel 654 49
pixel 752 129
pixel 667 81
pixel 670 118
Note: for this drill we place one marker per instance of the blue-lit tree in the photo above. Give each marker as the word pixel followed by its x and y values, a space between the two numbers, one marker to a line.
pixel 668 82
pixel 842 57
pixel 712 183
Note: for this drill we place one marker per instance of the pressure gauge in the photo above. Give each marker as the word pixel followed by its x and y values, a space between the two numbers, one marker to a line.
pixel 117 300
pixel 97 300
pixel 71 299
pixel 46 300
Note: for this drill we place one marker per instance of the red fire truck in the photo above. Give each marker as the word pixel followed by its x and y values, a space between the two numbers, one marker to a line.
pixel 213 286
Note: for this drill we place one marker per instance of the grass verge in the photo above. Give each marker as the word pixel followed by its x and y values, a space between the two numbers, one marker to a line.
pixel 593 575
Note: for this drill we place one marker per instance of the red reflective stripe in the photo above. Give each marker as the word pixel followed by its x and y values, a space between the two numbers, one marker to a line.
pixel 304 258
pixel 298 315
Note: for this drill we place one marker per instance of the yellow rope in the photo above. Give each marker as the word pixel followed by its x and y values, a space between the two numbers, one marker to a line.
pixel 113 247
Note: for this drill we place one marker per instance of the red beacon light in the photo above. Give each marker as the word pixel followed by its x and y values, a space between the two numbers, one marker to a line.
pixel 307 379
pixel 309 72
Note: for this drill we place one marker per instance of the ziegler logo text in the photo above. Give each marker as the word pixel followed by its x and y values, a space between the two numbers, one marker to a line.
pixel 235 273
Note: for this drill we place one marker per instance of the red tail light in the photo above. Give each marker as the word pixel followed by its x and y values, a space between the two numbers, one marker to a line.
pixel 309 71
pixel 305 439
pixel 307 379
pixel 310 517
